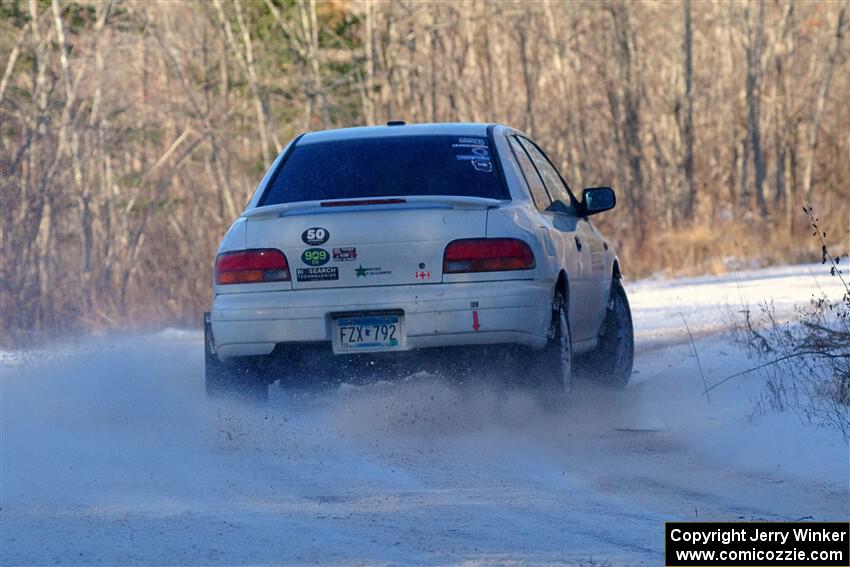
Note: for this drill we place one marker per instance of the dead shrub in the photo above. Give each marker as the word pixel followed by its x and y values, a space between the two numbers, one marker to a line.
pixel 806 361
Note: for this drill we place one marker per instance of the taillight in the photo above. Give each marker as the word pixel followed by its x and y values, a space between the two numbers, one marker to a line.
pixel 251 266
pixel 487 255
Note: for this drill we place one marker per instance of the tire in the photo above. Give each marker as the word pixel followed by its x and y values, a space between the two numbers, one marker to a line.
pixel 243 378
pixel 610 363
pixel 553 365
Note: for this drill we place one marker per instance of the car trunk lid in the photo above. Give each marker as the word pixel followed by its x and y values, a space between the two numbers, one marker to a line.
pixel 373 242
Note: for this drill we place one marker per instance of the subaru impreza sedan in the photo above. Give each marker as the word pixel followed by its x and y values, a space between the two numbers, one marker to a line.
pixel 379 240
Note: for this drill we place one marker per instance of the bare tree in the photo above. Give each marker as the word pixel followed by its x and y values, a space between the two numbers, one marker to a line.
pixel 755 41
pixel 836 56
pixel 134 132
pixel 688 120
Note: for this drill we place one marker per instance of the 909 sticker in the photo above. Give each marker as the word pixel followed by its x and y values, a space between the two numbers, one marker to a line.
pixel 315 257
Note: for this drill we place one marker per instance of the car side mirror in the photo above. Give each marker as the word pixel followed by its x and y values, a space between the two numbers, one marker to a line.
pixel 597 199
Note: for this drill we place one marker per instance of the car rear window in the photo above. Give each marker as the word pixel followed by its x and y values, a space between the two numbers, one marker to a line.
pixel 389 166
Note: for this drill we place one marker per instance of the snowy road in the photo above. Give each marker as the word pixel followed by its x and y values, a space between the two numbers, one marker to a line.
pixel 111 455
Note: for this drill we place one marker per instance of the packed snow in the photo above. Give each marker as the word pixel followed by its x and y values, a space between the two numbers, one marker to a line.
pixel 112 455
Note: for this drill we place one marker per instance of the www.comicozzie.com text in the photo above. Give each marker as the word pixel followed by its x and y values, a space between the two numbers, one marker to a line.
pixel 726 536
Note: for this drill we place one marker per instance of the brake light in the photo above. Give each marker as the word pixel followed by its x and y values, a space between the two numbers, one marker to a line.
pixel 251 266
pixel 363 202
pixel 487 255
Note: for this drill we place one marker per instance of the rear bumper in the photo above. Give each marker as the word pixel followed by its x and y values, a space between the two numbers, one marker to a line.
pixel 515 312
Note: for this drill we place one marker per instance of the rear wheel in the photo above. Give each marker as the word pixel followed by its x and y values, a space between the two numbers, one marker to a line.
pixel 553 365
pixel 242 378
pixel 611 362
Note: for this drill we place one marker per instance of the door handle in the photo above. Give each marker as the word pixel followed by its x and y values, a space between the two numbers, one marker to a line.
pixel 578 243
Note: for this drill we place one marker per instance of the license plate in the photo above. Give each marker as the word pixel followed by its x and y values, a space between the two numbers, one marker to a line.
pixel 368 333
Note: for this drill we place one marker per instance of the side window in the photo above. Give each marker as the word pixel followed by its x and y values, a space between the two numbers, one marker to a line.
pixel 551 179
pixel 535 184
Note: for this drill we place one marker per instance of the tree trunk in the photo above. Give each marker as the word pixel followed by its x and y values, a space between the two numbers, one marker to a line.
pixel 528 81
pixel 754 73
pixel 688 127
pixel 814 131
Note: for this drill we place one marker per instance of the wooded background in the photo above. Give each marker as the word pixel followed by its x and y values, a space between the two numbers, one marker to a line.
pixel 133 133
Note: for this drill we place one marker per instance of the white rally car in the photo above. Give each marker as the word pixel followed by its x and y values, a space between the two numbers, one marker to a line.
pixel 401 237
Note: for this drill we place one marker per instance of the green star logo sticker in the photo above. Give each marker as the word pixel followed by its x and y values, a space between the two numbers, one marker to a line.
pixel 360 271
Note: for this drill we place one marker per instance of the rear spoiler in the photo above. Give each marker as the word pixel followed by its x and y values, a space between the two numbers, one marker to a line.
pixel 307 207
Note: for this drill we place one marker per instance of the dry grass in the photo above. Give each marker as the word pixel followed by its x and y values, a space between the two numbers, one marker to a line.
pixel 719 247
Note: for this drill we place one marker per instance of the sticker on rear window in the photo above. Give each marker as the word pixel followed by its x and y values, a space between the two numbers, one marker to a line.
pixel 484 165
pixel 478 154
pixel 317 274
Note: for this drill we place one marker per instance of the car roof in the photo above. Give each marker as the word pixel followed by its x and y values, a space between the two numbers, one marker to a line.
pixel 359 132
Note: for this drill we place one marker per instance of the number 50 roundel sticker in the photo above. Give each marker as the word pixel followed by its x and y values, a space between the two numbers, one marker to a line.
pixel 315 236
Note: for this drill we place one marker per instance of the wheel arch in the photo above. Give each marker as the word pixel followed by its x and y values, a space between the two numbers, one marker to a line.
pixel 563 285
pixel 616 274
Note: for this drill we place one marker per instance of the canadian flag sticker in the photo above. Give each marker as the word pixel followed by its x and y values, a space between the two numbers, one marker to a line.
pixel 422 275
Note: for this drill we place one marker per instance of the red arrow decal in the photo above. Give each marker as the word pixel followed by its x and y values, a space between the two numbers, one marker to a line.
pixel 475 324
